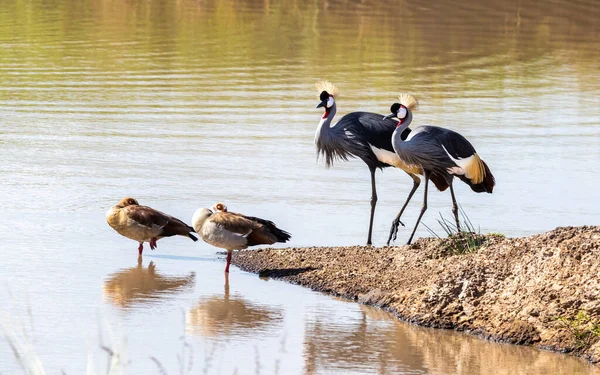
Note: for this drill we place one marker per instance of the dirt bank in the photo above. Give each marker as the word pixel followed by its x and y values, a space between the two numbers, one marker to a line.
pixel 542 290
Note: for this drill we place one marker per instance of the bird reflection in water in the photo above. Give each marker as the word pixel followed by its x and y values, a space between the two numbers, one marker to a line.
pixel 231 316
pixel 371 344
pixel 375 343
pixel 141 285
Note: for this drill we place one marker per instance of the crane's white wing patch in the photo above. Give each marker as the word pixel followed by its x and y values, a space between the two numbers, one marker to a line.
pixel 461 164
pixel 386 156
pixel 413 133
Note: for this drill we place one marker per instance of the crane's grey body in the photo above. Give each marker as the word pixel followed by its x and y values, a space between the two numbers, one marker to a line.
pixel 440 152
pixel 425 147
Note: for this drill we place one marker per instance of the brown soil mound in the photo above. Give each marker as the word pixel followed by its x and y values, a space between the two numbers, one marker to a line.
pixel 542 290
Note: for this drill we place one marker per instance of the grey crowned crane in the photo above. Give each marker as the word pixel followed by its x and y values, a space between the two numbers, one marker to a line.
pixel 438 151
pixel 145 224
pixel 366 136
pixel 233 231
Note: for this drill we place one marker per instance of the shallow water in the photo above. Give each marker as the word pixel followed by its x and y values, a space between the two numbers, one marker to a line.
pixel 181 104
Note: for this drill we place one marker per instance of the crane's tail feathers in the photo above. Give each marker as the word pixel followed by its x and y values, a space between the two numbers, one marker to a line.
pixel 486 185
pixel 489 181
pixel 408 101
pixel 327 86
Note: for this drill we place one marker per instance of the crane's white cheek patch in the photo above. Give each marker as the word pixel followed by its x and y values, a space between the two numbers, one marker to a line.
pixel 330 102
pixel 402 113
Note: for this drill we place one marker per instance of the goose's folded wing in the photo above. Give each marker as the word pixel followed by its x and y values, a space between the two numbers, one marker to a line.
pixel 280 234
pixel 147 216
pixel 234 223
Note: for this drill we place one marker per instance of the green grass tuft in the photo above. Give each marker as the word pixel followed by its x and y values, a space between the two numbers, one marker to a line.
pixel 584 330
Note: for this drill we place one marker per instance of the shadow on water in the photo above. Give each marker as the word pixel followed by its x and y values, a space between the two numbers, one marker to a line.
pixel 231 316
pixel 283 272
pixel 141 285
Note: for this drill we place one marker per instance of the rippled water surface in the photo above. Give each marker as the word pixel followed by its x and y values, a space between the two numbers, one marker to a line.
pixel 183 103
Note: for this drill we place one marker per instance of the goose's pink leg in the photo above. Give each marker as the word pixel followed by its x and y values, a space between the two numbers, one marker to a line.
pixel 140 248
pixel 229 253
pixel 153 244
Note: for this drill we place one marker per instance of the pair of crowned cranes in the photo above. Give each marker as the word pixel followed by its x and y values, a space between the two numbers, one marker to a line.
pixel 436 153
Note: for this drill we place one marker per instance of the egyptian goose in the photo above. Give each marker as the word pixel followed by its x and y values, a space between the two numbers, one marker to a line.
pixel 145 224
pixel 233 231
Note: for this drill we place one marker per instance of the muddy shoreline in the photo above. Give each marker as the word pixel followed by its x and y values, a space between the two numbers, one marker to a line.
pixel 542 290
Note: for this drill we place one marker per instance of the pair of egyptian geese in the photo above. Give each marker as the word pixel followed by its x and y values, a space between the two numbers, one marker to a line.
pixel 439 154
pixel 216 226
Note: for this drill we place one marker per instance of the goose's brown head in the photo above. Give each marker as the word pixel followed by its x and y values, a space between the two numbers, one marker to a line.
pixel 128 201
pixel 219 206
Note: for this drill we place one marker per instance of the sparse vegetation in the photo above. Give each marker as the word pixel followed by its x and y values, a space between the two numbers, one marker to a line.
pixel 458 241
pixel 584 330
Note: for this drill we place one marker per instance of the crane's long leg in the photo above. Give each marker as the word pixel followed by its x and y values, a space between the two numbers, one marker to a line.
pixel 454 207
pixel 397 222
pixel 373 203
pixel 423 208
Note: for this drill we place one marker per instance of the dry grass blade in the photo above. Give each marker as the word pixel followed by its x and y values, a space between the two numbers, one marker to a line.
pixel 21 347
pixel 161 368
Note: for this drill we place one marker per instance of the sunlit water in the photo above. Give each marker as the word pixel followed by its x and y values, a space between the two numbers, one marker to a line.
pixel 181 104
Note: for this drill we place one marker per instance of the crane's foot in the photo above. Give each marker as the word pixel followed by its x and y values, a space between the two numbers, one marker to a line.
pixel 394 230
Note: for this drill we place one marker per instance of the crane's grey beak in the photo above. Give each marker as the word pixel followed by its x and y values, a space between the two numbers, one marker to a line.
pixel 322 104
pixel 391 115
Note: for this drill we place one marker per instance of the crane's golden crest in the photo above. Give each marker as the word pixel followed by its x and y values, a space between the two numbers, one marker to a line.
pixel 408 101
pixel 327 86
